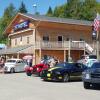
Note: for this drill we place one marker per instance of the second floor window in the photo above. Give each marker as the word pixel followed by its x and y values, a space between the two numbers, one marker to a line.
pixel 67 39
pixel 15 41
pixel 60 38
pixel 81 39
pixel 21 38
pixel 45 38
pixel 27 40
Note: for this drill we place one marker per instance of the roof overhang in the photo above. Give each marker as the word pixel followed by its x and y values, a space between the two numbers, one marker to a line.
pixel 17 50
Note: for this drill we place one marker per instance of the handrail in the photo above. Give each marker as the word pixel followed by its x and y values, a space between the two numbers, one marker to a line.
pixel 64 44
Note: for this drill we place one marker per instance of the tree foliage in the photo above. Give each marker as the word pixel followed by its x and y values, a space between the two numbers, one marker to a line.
pixel 22 8
pixel 8 15
pixel 49 12
pixel 78 9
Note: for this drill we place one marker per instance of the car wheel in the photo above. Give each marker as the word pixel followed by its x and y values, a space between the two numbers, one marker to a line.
pixel 28 74
pixel 12 70
pixel 86 85
pixel 65 78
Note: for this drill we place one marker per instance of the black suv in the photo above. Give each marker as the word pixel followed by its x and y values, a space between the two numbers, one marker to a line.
pixel 91 76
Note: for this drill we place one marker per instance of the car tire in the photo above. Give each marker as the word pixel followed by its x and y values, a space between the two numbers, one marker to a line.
pixel 86 85
pixel 65 78
pixel 28 74
pixel 12 70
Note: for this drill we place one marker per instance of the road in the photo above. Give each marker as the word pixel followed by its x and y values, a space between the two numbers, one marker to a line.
pixel 18 86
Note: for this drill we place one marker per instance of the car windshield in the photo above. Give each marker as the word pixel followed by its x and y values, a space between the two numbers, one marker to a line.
pixel 66 65
pixel 96 65
pixel 92 57
pixel 11 61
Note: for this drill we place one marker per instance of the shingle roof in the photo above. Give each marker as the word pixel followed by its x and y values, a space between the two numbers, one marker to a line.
pixel 14 49
pixel 59 20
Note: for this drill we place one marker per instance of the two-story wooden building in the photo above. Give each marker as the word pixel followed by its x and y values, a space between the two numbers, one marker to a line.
pixel 40 35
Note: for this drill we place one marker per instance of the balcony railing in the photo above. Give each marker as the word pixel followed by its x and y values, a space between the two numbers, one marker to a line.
pixel 60 45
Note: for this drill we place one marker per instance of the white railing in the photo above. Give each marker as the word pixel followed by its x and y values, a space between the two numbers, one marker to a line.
pixel 60 45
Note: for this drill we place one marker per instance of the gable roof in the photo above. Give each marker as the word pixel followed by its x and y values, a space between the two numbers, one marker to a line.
pixel 51 19
pixel 58 20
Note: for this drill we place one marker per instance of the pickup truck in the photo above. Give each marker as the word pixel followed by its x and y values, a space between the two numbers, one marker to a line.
pixel 91 76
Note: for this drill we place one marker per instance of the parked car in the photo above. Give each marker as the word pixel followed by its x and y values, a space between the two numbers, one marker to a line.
pixel 36 69
pixel 14 65
pixel 88 60
pixel 91 76
pixel 63 72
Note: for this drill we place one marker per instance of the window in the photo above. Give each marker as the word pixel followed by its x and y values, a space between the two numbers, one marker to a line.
pixel 60 38
pixel 27 40
pixel 67 39
pixel 15 41
pixel 81 39
pixel 21 38
pixel 45 38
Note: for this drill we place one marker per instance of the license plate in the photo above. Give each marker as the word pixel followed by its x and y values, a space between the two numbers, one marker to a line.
pixel 87 76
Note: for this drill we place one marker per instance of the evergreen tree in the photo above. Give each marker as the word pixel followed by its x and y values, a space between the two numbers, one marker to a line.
pixel 78 9
pixel 56 12
pixel 22 8
pixel 49 12
pixel 8 15
pixel 88 10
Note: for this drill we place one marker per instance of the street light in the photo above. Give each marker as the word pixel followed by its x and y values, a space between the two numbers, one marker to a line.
pixel 35 8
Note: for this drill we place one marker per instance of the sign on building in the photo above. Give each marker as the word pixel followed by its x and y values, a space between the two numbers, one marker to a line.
pixel 22 25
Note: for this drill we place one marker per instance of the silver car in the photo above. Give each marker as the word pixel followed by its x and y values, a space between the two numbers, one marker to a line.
pixel 14 65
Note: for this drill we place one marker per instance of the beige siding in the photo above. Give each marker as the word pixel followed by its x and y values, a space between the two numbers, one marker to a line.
pixel 24 36
pixel 54 33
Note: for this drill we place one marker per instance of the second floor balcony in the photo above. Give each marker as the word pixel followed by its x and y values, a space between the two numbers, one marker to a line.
pixel 65 45
pixel 60 45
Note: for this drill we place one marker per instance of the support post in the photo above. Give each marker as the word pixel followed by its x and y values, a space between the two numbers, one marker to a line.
pixel 40 55
pixel 84 47
pixel 64 55
pixel 18 55
pixel 97 45
pixel 69 49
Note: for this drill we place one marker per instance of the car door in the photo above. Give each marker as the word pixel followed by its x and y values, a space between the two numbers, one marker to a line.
pixel 76 71
pixel 22 65
pixel 17 68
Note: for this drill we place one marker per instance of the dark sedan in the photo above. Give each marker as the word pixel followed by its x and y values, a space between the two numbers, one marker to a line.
pixel 91 76
pixel 63 72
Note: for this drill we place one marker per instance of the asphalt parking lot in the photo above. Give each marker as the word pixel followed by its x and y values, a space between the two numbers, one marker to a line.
pixel 18 86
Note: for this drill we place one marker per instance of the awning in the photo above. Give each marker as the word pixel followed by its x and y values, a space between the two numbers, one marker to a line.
pixel 19 49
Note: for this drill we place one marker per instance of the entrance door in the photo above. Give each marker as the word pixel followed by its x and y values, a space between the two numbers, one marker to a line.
pixel 60 41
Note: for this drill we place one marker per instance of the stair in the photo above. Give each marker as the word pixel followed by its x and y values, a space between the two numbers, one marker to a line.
pixel 89 49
